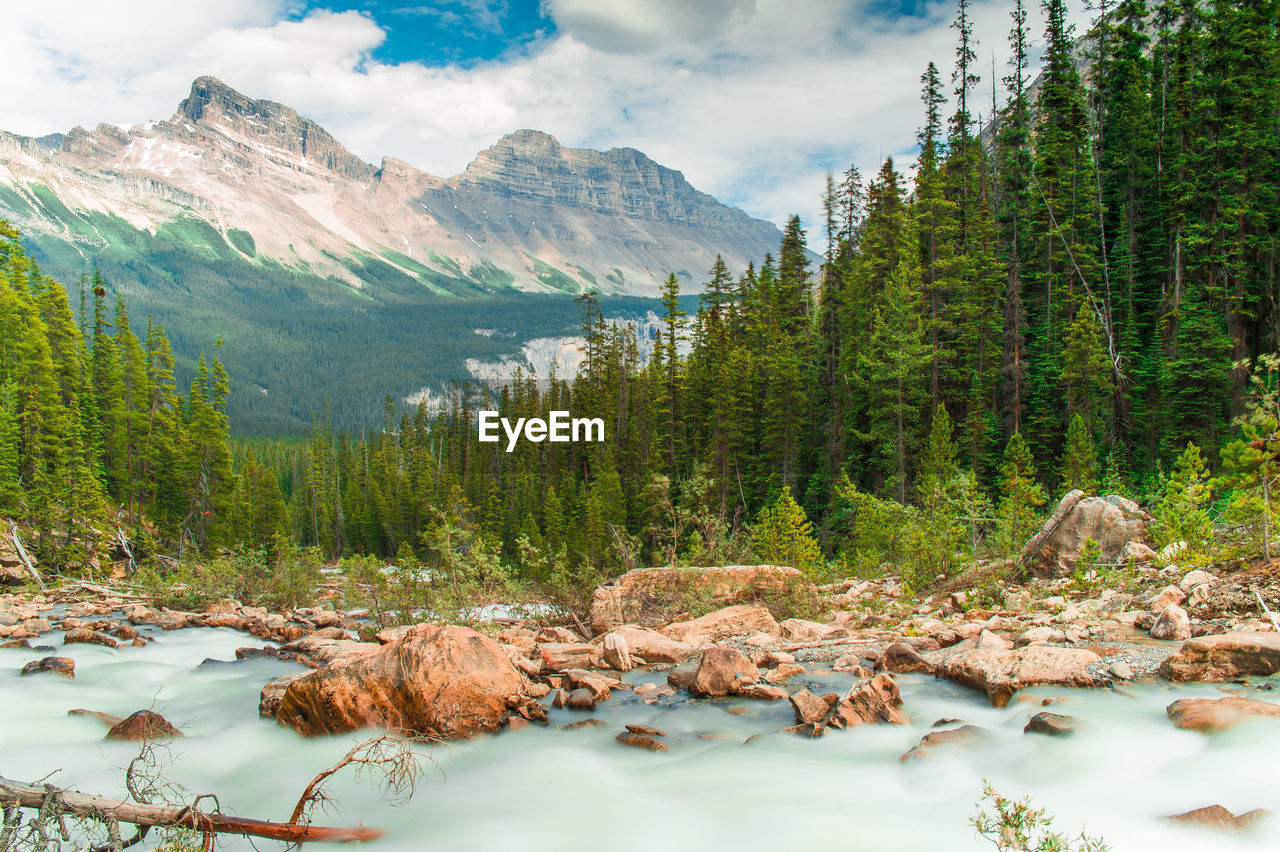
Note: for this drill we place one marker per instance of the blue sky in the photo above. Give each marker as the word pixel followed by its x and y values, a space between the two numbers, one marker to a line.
pixel 754 100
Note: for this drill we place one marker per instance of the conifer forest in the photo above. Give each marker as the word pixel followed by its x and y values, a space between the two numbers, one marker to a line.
pixel 1079 291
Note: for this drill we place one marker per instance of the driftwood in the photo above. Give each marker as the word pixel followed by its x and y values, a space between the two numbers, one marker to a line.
pixel 22 554
pixel 104 810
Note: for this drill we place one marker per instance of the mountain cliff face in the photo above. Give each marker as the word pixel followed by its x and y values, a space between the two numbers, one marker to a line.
pixel 527 214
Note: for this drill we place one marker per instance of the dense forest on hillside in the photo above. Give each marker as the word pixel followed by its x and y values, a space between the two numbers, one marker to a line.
pixel 1080 294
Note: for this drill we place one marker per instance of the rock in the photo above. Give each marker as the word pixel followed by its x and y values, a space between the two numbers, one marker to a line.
pixel 225 619
pixel 558 656
pixel 721 672
pixel 780 673
pixel 1224 657
pixel 537 690
pixel 650 597
pixel 1168 596
pixel 901 658
pixel 581 723
pixel 1051 724
pixel 599 686
pixel 1196 577
pixel 762 692
pixel 963 735
pixel 809 708
pixel 1120 670
pixel 723 624
pixel 143 725
pixel 1172 624
pixel 88 637
pixel 847 663
pixel 1139 552
pixel 773 659
pixel 391 634
pixel 616 652
pixel 652 646
pixel 64 666
pixel 1110 521
pixel 682 675
pixel 874 702
pixel 1209 714
pixel 326 650
pixel 581 699
pixel 558 634
pixel 1002 673
pixel 993 641
pixel 646 730
pixel 448 682
pixel 1171 550
pixel 1218 817
pixel 1039 636
pixel 800 630
pixel 272 694
pixel 639 740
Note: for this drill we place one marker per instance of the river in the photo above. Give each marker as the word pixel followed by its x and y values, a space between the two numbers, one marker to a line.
pixel 551 789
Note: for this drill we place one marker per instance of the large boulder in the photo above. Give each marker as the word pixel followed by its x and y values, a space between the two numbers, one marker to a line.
pixel 650 597
pixel 652 646
pixel 447 682
pixel 142 726
pixel 1111 521
pixel 1224 657
pixel 1210 714
pixel 722 672
pixel 731 621
pixel 877 701
pixel 1002 673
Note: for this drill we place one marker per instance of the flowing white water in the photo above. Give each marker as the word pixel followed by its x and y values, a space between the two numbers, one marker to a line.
pixel 577 789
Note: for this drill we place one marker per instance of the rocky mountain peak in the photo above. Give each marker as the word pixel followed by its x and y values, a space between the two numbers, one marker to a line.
pixel 214 103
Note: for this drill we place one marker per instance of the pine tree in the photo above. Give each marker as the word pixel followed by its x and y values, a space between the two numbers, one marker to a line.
pixel 1021 495
pixel 1080 458
pixel 784 536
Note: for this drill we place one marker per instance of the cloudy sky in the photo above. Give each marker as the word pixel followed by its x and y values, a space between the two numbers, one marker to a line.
pixel 754 100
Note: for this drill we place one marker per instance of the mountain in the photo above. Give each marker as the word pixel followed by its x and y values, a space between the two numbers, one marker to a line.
pixel 528 214
pixel 334 282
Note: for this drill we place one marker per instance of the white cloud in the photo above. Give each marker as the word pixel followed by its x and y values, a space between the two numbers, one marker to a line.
pixel 752 99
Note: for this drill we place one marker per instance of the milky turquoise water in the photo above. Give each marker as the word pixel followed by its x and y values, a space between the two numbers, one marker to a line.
pixel 547 789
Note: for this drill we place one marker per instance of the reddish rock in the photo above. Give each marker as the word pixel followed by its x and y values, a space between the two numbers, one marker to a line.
pixel 1002 673
pixel 809 708
pixel 1050 724
pixel 448 682
pixel 1168 596
pixel 784 671
pixel 1112 522
pixel 723 624
pixel 650 597
pixel 558 634
pixel 143 725
pixel 963 735
pixel 273 693
pixel 652 646
pixel 640 740
pixel 1172 624
pixel 558 656
pixel 105 718
pixel 762 692
pixel 225 619
pixel 85 636
pixel 646 730
pixel 1224 657
pixel 875 702
pixel 616 652
pixel 901 658
pixel 64 666
pixel 581 699
pixel 722 671
pixel 1210 715
pixel 800 630
pixel 1219 818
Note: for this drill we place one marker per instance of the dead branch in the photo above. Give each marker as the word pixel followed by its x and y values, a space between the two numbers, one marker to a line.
pixel 388 756
pixel 49 799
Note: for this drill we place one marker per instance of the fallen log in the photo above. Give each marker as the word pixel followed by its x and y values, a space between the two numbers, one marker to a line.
pixel 104 810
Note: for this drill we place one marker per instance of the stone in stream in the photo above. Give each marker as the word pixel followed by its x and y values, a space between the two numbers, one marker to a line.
pixel 1219 818
pixel 616 652
pixel 722 671
pixel 447 682
pixel 1224 657
pixel 874 702
pixel 901 658
pixel 963 735
pixel 640 740
pixel 271 695
pixel 557 656
pixel 1172 624
pixel 64 666
pixel 142 726
pixel 1002 673
pixel 808 708
pixel 762 692
pixel 558 634
pixel 652 646
pixel 581 699
pixel 783 671
pixel 1050 724
pixel 1210 715
pixel 646 730
pixel 649 597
